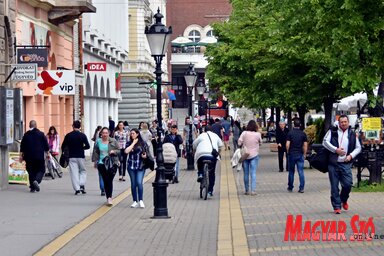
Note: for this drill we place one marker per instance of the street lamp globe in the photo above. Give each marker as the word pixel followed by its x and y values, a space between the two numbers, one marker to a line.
pixel 200 87
pixel 158 36
pixel 206 95
pixel 190 76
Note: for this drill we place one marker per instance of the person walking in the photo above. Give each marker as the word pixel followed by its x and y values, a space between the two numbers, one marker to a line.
pixel 251 139
pixel 53 141
pixel 33 146
pixel 343 145
pixel 218 128
pixel 97 135
pixel 226 132
pixel 76 142
pixel 106 146
pixel 146 135
pixel 236 130
pixel 297 150
pixel 176 140
pixel 136 154
pixel 111 126
pixel 122 136
pixel 281 140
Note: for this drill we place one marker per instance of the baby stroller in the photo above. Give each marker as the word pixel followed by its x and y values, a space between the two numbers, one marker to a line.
pixel 170 157
pixel 52 167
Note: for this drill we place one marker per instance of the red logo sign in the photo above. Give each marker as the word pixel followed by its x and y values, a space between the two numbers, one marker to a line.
pixel 97 66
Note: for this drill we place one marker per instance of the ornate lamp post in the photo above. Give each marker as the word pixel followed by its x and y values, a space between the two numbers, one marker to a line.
pixel 206 95
pixel 158 37
pixel 190 77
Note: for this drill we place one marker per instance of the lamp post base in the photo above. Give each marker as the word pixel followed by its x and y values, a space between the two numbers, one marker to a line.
pixel 160 200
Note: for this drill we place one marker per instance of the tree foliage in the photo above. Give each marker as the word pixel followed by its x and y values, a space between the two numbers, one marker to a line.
pixel 297 54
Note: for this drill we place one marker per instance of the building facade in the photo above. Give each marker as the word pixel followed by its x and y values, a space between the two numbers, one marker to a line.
pixel 49 24
pixel 137 90
pixel 105 41
pixel 191 20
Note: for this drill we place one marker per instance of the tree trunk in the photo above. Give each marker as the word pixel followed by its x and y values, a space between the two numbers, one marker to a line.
pixel 302 110
pixel 278 115
pixel 264 118
pixel 272 118
pixel 328 106
pixel 289 119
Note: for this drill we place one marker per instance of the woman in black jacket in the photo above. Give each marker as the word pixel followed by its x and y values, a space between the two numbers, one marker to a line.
pixel 176 140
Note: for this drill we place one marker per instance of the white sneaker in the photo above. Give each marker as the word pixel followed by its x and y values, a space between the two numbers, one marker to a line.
pixel 141 203
pixel 109 202
pixel 134 205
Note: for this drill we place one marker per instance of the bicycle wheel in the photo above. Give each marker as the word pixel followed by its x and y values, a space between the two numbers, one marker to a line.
pixel 206 181
pixel 50 169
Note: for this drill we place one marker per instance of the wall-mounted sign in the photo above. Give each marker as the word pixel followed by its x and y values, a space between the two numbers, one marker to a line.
pixel 24 72
pixel 371 123
pixel 97 66
pixel 56 82
pixel 33 55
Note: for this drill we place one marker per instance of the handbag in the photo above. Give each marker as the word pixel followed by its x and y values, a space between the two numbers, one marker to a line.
pixel 214 153
pixel 244 154
pixel 109 163
pixel 64 158
pixel 319 160
pixel 148 162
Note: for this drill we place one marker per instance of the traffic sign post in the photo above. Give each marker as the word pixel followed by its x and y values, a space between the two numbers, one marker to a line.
pixel 24 72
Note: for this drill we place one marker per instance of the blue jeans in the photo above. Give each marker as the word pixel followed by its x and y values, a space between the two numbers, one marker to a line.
pixel 212 168
pixel 136 176
pixel 101 182
pixel 340 173
pixel 296 160
pixel 177 167
pixel 250 166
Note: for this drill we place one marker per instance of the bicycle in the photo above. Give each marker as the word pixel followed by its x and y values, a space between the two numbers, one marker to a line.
pixel 204 184
pixel 53 167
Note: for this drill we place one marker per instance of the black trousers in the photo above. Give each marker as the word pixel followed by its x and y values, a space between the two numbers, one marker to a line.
pixel 123 162
pixel 107 178
pixel 36 170
pixel 281 152
pixel 212 168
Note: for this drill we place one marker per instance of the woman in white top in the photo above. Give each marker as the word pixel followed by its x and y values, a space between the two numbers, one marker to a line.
pixel 251 139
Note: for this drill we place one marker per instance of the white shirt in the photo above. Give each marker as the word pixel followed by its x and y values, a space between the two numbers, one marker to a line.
pixel 343 143
pixel 202 145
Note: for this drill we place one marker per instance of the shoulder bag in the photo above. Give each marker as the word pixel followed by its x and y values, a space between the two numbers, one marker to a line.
pixel 214 153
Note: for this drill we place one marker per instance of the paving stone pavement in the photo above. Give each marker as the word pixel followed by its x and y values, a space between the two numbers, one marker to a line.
pixel 191 230
pixel 265 214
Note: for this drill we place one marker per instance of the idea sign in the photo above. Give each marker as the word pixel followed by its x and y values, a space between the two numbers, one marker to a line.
pixel 99 66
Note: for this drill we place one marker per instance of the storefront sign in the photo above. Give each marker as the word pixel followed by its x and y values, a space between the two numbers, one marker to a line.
pixel 17 172
pixel 97 66
pixel 56 82
pixel 24 72
pixel 33 55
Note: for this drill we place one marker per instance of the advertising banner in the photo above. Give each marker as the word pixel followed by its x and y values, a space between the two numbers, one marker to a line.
pixel 33 55
pixel 56 82
pixel 97 66
pixel 17 172
pixel 24 72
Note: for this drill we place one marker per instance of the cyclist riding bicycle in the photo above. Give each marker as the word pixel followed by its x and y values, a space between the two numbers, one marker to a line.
pixel 203 146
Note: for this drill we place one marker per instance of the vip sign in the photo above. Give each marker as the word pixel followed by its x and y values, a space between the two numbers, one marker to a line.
pixel 56 82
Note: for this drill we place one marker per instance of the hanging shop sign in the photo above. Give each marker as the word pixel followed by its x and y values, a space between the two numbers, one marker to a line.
pixel 24 72
pixel 56 82
pixel 33 55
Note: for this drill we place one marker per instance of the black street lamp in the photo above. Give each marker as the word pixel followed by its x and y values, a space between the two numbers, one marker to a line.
pixel 158 37
pixel 200 87
pixel 190 77
pixel 206 95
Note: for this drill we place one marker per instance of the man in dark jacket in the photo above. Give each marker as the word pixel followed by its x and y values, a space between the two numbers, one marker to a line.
pixel 76 142
pixel 297 150
pixel 33 146
pixel 176 140
pixel 344 146
pixel 281 140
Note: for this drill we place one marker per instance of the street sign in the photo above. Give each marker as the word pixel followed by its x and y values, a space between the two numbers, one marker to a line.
pixel 97 66
pixel 24 72
pixel 33 55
